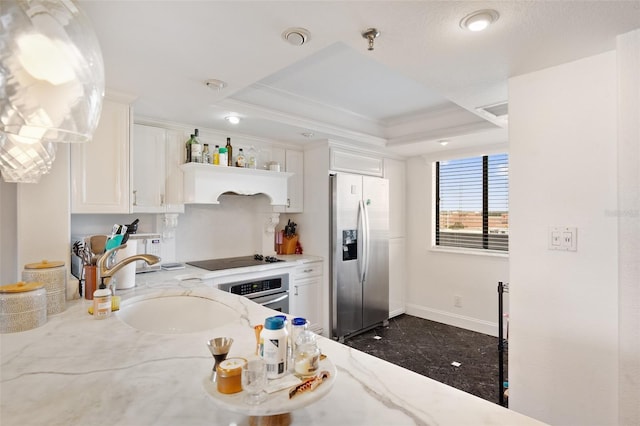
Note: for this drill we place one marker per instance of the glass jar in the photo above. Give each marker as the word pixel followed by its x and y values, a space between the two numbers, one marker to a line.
pixel 229 378
pixel 307 355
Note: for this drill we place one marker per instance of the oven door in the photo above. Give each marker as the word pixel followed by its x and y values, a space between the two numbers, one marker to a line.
pixel 278 301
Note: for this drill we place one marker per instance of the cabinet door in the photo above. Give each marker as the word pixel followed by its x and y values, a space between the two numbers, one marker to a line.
pixel 295 164
pixel 147 169
pixel 306 301
pixel 174 157
pixel 100 168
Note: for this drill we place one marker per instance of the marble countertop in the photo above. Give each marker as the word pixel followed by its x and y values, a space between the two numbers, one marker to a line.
pixel 76 370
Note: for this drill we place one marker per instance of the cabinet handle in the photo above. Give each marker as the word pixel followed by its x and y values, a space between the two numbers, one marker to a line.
pixel 135 197
pixel 162 199
pixel 296 290
pixel 307 271
pixel 288 202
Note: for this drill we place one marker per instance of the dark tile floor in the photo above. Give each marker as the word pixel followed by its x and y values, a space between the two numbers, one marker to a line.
pixel 429 348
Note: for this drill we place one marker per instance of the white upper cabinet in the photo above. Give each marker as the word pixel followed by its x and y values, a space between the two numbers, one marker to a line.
pixel 100 168
pixel 294 163
pixel 156 178
pixel 359 162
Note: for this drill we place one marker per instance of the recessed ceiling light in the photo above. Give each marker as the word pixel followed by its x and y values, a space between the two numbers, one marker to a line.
pixel 233 119
pixel 295 36
pixel 479 20
pixel 443 142
pixel 215 84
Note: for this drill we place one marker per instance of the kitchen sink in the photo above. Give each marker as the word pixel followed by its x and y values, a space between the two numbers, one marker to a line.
pixel 176 314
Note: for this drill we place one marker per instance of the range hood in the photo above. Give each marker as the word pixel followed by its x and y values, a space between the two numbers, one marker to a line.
pixel 204 183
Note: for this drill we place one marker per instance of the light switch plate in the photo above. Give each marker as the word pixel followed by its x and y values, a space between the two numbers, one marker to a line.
pixel 563 238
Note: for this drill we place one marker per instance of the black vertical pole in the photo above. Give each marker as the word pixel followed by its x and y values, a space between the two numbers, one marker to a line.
pixel 500 347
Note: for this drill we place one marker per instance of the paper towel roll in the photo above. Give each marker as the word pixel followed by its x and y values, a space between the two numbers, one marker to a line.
pixel 126 277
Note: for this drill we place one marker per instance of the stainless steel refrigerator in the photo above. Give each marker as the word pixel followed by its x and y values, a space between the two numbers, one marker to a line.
pixel 359 270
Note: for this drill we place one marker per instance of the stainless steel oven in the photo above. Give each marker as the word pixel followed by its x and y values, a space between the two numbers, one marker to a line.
pixel 270 291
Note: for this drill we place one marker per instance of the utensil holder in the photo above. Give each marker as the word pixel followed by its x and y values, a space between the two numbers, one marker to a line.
pixel 89 281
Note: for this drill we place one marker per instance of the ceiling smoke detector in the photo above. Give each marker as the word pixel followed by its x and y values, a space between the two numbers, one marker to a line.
pixel 371 34
pixel 295 36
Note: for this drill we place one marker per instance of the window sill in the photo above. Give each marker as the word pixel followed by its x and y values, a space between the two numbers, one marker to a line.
pixel 452 250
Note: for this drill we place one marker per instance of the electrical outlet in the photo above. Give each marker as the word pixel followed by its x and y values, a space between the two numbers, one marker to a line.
pixel 457 301
pixel 563 238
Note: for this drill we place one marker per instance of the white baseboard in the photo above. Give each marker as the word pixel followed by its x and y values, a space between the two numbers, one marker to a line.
pixel 449 318
pixel 396 312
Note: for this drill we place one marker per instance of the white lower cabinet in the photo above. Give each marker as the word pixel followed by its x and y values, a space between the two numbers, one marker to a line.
pixel 305 294
pixel 156 178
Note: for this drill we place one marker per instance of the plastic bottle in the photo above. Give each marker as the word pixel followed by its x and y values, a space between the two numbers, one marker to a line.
pixel 216 155
pixel 240 159
pixel 229 153
pixel 196 149
pixel 102 302
pixel 222 157
pixel 273 347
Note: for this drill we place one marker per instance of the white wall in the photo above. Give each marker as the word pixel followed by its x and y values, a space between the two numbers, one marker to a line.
pixel 436 277
pixel 628 214
pixel 8 233
pixel 43 224
pixel 563 330
pixel 232 228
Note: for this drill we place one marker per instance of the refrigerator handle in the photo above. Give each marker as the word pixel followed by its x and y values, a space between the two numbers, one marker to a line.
pixel 365 243
pixel 361 240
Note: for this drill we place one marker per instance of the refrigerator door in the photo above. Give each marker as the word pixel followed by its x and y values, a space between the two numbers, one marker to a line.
pixel 347 256
pixel 375 291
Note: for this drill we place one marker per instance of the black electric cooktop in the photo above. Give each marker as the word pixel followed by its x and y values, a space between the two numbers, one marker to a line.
pixel 233 262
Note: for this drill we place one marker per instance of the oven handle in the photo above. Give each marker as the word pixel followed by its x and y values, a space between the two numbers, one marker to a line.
pixel 265 300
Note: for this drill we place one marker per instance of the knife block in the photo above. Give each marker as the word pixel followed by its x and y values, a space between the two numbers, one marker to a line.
pixel 288 245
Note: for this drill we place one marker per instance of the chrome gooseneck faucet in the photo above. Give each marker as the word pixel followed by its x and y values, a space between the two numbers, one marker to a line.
pixel 105 271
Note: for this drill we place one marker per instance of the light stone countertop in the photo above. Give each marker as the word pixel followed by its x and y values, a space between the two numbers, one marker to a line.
pixel 76 370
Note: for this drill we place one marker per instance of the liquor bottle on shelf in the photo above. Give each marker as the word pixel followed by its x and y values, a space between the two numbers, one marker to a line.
pixel 252 158
pixel 196 149
pixel 240 160
pixel 206 155
pixel 229 153
pixel 188 149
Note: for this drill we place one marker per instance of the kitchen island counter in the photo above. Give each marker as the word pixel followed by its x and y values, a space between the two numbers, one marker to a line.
pixel 76 370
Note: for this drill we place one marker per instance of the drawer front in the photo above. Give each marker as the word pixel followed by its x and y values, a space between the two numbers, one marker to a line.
pixel 313 269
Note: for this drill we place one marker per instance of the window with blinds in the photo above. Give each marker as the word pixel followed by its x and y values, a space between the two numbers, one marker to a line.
pixel 472 203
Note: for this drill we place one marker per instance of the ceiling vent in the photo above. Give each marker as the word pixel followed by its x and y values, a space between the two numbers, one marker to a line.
pixel 295 36
pixel 499 110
